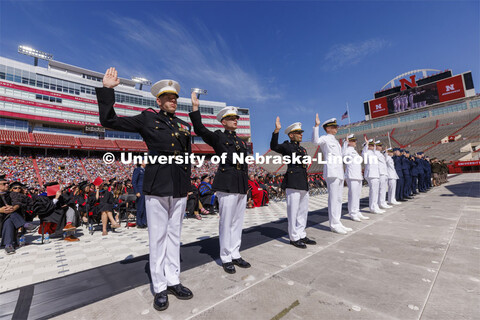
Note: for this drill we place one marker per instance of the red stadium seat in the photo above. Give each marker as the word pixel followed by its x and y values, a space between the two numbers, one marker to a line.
pixel 55 139
pixel 97 143
pixel 14 136
pixel 132 144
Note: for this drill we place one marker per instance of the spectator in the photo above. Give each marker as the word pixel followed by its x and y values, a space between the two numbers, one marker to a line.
pixel 102 201
pixel 10 219
pixel 207 195
pixel 137 183
pixel 259 195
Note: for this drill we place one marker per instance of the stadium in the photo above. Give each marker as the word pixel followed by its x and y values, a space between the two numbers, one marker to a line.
pixel 49 121
pixel 50 132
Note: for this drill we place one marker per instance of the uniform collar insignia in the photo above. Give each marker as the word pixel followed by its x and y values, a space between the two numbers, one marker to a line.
pixel 167 114
pixel 230 132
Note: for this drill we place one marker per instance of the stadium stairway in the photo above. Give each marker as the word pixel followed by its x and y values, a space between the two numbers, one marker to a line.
pixel 85 170
pixel 423 135
pixel 35 166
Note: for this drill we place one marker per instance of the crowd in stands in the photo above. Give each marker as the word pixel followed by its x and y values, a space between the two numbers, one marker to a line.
pixel 63 169
pixel 19 168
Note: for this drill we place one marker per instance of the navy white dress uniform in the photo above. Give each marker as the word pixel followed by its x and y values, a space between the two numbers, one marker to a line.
pixel 372 175
pixel 230 185
pixel 333 175
pixel 383 182
pixel 354 178
pixel 295 184
pixel 165 185
pixel 392 177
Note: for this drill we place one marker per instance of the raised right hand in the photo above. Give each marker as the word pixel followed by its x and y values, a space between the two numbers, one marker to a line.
pixel 195 102
pixel 278 126
pixel 110 79
pixel 317 120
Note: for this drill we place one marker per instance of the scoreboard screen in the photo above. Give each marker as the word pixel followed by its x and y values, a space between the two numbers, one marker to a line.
pixel 416 97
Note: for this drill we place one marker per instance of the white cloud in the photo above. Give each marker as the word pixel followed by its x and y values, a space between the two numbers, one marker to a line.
pixel 197 56
pixel 342 55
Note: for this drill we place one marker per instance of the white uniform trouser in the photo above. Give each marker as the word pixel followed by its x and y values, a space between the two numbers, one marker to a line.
pixel 165 216
pixel 382 192
pixel 297 212
pixel 354 190
pixel 373 183
pixel 335 193
pixel 231 209
pixel 392 187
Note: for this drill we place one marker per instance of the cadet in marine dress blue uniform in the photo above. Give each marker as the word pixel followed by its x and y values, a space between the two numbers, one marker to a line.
pixel 165 185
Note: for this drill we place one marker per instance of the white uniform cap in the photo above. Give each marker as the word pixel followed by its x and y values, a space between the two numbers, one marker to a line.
pixel 371 142
pixel 297 126
pixel 165 86
pixel 378 142
pixel 227 112
pixel 351 137
pixel 330 122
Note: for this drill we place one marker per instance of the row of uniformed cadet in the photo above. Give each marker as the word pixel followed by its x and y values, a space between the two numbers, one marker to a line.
pixel 414 173
pixel 166 185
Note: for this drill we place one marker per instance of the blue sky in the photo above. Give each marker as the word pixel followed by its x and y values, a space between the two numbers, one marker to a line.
pixel 287 58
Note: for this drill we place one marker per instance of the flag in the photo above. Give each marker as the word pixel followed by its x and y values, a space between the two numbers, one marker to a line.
pixel 345 115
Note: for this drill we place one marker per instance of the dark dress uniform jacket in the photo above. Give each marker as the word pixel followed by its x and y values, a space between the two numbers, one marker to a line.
pixel 137 179
pixel 164 134
pixel 296 175
pixel 397 161
pixel 406 166
pixel 230 177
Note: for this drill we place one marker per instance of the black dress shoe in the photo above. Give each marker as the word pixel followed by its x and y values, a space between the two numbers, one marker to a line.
pixel 409 198
pixel 181 292
pixel 402 200
pixel 306 240
pixel 160 302
pixel 241 263
pixel 299 244
pixel 229 267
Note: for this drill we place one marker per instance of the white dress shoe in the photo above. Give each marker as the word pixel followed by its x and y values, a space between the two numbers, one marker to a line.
pixel 355 217
pixel 338 230
pixel 380 211
pixel 347 228
pixel 396 202
pixel 361 216
pixel 385 206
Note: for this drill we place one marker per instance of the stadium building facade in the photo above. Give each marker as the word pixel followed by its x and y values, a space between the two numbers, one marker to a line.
pixel 56 107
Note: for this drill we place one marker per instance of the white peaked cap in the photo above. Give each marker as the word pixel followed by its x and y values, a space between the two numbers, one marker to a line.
pixel 351 137
pixel 297 126
pixel 227 112
pixel 330 122
pixel 165 86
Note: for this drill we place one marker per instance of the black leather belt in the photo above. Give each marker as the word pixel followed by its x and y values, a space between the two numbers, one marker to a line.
pixel 166 153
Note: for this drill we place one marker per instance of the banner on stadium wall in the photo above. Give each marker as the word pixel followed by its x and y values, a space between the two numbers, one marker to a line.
pixel 467 163
pixel 418 97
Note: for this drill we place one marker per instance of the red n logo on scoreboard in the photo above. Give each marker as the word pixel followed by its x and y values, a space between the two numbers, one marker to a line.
pixel 405 83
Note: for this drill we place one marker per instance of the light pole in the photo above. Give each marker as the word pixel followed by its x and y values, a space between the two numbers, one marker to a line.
pixel 36 54
pixel 141 81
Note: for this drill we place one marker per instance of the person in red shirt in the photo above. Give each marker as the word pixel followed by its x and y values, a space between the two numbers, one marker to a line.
pixel 259 195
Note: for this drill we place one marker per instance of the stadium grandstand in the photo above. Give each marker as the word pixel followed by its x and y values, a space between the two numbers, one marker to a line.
pixel 50 129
